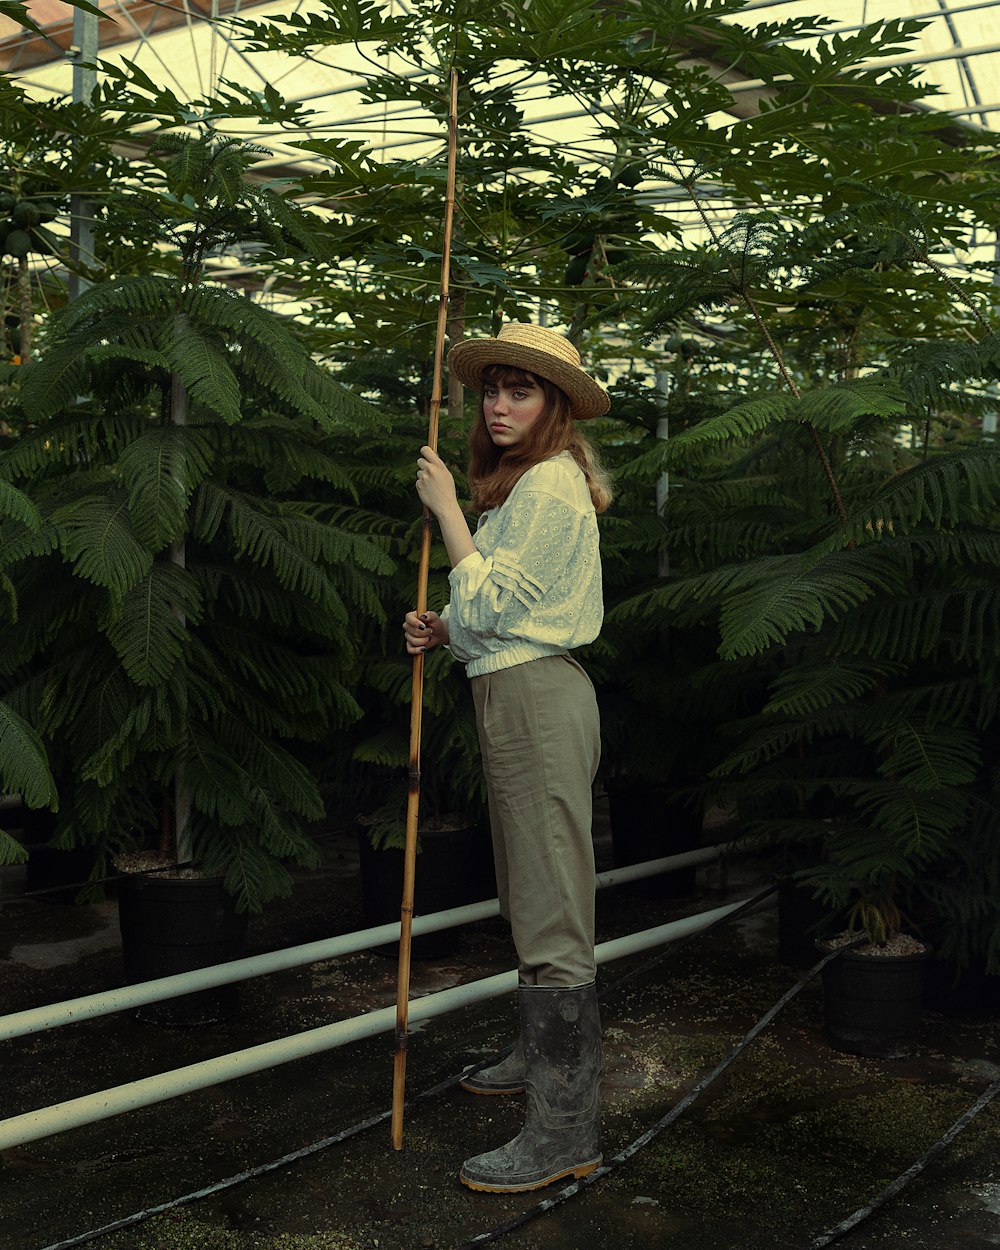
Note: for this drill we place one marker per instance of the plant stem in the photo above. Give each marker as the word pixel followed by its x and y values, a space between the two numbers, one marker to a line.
pixel 183 844
pixel 956 290
pixel 25 310
pixel 772 346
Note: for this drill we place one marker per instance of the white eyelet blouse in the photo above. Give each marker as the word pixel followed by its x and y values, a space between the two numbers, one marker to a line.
pixel 533 586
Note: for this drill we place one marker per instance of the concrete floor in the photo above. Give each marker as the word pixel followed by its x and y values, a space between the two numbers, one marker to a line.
pixel 788 1143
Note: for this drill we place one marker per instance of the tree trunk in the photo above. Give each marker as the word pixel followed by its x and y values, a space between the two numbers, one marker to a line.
pixel 183 844
pixel 26 312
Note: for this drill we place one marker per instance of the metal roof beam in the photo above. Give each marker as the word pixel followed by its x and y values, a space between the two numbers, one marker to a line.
pixel 23 49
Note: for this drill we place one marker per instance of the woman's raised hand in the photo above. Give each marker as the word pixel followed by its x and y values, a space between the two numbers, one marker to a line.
pixel 424 632
pixel 435 484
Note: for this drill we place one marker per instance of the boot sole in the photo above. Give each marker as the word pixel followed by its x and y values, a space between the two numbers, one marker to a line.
pixel 581 1170
pixel 493 1093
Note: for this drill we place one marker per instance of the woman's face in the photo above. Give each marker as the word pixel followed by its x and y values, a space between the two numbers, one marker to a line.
pixel 510 409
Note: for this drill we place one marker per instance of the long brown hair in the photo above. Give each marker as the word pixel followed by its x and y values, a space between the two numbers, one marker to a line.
pixel 494 471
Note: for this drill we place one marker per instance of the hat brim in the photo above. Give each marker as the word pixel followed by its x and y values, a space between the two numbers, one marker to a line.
pixel 470 357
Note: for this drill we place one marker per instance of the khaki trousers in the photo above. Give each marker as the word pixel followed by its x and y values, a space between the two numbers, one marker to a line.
pixel 539 732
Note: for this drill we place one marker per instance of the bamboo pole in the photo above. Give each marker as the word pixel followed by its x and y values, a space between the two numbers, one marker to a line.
pixel 417 698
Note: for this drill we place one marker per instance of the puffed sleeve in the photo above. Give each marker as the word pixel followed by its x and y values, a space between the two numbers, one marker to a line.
pixel 492 594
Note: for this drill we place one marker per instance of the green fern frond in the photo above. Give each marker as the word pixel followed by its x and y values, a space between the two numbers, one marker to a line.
pixel 964 623
pixel 807 688
pixel 53 382
pixel 939 491
pixel 311 684
pixel 744 420
pixel 204 366
pixel 263 536
pixel 11 851
pixel 388 749
pixel 837 409
pixel 764 743
pixel 16 505
pixel 342 409
pixel 159 470
pixel 227 764
pixel 98 539
pixel 334 546
pixel 120 748
pixel 24 766
pixel 790 597
pixel 252 876
pixel 926 759
pixel 269 351
pixel 303 462
pixel 148 626
pixel 917 826
pixel 211 503
pixel 139 355
pixel 278 446
pixel 146 296
pixel 85 435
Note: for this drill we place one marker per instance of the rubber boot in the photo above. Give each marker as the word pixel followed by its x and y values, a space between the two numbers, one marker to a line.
pixel 561 1033
pixel 504 1077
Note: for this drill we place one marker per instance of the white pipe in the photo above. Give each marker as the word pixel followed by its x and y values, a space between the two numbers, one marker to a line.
pixel 53 1015
pixel 33 1125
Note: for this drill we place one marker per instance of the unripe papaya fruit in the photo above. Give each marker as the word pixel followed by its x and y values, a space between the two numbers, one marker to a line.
pixel 17 244
pixel 576 270
pixel 25 215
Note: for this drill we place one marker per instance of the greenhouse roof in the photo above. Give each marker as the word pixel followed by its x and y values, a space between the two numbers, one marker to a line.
pixel 193 50
pixel 191 46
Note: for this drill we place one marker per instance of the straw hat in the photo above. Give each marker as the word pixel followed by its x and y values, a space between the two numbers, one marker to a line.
pixel 536 350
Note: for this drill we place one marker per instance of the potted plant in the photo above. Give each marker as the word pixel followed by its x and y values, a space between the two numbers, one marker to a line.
pixel 188 615
pixel 28 789
pixel 843 525
pixel 873 991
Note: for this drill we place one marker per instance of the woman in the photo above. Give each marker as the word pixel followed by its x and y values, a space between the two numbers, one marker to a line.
pixel 525 591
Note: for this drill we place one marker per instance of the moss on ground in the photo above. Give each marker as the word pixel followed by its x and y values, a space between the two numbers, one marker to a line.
pixel 183 1230
pixel 783 1132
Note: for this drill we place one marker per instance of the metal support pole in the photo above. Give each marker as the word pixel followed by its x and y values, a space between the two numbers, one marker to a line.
pixel 153 1089
pixel 989 419
pixel 663 481
pixel 81 212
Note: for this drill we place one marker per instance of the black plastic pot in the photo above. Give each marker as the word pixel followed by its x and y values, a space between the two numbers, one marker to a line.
pixel 874 1003
pixel 454 867
pixel 176 924
pixel 647 823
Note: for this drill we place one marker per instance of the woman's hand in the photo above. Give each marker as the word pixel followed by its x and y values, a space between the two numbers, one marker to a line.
pixel 436 488
pixel 435 484
pixel 424 632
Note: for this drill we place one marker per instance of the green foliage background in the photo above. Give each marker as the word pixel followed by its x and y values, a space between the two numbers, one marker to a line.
pixel 806 631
